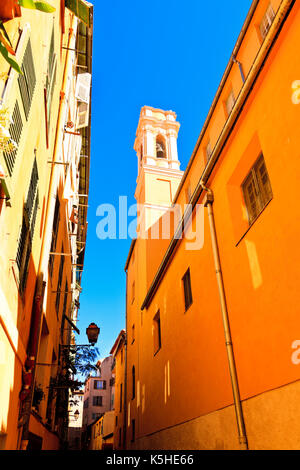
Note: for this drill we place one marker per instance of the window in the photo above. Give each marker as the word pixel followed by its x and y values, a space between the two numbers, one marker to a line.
pixel 100 384
pixel 27 81
pixel 141 155
pixel 86 403
pixel 15 131
pixel 132 334
pixel 188 298
pixel 27 230
pixel 160 148
pixel 121 396
pixel 266 21
pixel 188 193
pixel 64 309
pixel 132 430
pixel 257 189
pixel 133 292
pixel 82 10
pixel 32 197
pixel 133 383
pixel 208 151
pixel 50 78
pixel 97 401
pixel 156 333
pixel 230 102
pixel 55 227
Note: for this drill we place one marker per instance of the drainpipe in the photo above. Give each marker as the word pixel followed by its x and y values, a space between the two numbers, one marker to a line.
pixel 228 340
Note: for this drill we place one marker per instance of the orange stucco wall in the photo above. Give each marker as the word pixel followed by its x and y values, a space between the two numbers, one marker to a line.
pixel 188 380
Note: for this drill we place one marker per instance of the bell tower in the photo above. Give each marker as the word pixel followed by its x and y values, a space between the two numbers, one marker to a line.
pixel 159 172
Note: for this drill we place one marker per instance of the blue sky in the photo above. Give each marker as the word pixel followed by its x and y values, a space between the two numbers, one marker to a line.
pixel 169 54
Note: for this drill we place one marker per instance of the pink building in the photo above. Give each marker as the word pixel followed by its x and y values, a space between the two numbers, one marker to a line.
pixel 99 392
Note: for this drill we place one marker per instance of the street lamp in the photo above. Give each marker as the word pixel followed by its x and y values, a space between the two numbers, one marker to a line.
pixel 92 333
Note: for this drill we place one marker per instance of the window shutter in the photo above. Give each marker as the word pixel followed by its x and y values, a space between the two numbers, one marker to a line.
pixel 81 9
pixel 27 230
pixel 208 151
pixel 251 199
pixel 188 298
pixel 82 115
pixel 263 181
pixel 257 189
pixel 27 81
pixel 230 102
pixel 267 21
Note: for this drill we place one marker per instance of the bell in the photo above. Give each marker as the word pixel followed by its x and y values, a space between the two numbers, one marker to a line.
pixel 160 151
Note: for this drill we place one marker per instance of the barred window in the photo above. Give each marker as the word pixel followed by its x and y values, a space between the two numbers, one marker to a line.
pixel 257 189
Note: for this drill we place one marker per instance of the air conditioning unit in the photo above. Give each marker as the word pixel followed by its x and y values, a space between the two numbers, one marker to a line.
pixel 83 87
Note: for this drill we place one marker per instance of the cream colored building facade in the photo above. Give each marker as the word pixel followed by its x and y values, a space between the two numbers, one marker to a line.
pixel 40 212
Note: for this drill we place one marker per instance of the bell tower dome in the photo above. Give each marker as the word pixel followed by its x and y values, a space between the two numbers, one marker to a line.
pixel 159 172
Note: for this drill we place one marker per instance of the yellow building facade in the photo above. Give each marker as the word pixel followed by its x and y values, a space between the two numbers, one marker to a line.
pixel 102 432
pixel 42 218
pixel 119 354
pixel 212 316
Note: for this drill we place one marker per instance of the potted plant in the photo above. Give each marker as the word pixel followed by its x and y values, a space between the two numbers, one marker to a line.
pixel 10 9
pixel 7 144
pixel 38 396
